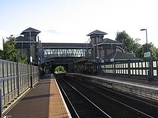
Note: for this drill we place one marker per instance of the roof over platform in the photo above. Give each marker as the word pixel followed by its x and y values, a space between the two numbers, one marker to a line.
pixel 120 56
pixel 115 57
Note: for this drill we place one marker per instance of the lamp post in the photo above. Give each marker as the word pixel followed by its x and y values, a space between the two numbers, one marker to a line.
pixel 146 38
pixel 30 61
pixel 97 67
pixel 97 56
pixel 147 54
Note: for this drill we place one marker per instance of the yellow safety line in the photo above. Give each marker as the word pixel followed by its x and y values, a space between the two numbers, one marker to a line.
pixel 56 107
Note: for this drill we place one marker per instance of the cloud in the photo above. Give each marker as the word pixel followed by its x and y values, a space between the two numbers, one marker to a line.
pixel 59 37
pixel 3 33
pixel 53 31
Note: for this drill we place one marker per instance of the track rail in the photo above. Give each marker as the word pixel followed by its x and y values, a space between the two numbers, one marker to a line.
pixel 80 105
pixel 150 108
pixel 108 105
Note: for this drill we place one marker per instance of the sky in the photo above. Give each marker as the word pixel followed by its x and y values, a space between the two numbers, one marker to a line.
pixel 69 21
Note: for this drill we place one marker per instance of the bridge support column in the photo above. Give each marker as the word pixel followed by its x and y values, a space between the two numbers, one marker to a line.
pixel 0 103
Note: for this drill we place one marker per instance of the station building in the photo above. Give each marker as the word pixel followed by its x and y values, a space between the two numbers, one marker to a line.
pixel 93 55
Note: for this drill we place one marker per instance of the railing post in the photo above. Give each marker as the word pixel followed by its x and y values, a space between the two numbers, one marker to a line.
pixel 146 70
pixel 129 72
pixel 105 68
pixel 114 69
pixel 31 83
pixel 157 70
pixel 17 75
pixel 150 72
pixel 0 103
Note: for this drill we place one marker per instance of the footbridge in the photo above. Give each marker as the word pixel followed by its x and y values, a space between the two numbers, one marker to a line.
pixel 63 54
pixel 90 57
pixel 84 57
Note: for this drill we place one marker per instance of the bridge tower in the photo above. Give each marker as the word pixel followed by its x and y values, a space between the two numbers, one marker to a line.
pixel 28 42
pixel 96 36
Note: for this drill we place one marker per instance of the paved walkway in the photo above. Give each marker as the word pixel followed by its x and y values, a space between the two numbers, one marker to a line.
pixel 42 101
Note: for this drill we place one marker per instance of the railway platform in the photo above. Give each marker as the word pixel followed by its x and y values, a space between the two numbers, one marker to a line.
pixel 137 87
pixel 44 100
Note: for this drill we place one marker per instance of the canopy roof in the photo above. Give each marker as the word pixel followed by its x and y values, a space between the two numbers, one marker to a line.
pixel 97 32
pixel 120 56
pixel 30 30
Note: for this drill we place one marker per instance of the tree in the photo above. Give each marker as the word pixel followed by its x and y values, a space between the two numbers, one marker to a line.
pixel 22 58
pixel 136 46
pixel 60 69
pixel 10 53
pixel 132 45
pixel 152 49
pixel 128 44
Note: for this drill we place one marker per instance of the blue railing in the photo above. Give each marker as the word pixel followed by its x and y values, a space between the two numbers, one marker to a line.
pixel 15 80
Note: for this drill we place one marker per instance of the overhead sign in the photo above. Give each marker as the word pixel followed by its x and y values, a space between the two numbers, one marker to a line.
pixel 112 60
pixel 102 61
pixel 147 54
pixel 30 58
pixel 1 44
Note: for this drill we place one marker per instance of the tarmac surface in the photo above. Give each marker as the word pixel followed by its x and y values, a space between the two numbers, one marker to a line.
pixel 42 101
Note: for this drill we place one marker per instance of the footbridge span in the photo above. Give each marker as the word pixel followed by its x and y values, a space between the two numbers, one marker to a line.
pixel 63 54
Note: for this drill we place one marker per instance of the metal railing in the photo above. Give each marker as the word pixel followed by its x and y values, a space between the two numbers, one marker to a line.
pixel 15 80
pixel 141 69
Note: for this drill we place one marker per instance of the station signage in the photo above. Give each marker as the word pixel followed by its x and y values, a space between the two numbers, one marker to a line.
pixel 147 54
pixel 1 44
pixel 112 60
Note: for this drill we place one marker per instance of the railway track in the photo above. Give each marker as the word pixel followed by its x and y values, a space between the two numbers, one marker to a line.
pixel 79 105
pixel 86 101
pixel 142 105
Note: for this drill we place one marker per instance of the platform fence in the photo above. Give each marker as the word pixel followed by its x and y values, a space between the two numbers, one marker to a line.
pixel 140 70
pixel 15 80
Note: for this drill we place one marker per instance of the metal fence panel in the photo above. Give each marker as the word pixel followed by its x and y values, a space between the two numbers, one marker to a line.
pixel 141 70
pixel 14 80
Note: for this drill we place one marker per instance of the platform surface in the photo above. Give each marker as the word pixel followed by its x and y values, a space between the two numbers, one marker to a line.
pixel 42 101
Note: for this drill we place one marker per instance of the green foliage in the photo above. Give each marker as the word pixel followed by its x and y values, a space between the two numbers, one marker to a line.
pixel 151 48
pixel 22 58
pixel 132 45
pixel 128 44
pixel 9 52
pixel 153 51
pixel 60 69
